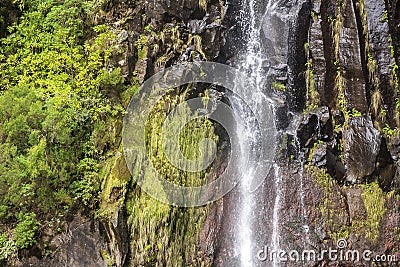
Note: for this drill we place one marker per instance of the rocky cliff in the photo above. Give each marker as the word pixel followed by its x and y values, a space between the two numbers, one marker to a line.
pixel 335 62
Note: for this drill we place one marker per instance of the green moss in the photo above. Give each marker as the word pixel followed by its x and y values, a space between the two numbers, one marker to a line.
pixel 312 93
pixel 374 201
pixel 162 234
pixel 114 187
pixel 279 86
pixel 196 41
pixel 331 212
pixel 107 258
pixel 142 46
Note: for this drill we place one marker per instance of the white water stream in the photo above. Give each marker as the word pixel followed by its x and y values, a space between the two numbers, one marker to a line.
pixel 252 64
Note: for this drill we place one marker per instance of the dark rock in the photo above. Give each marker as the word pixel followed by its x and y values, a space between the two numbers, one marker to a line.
pixel 361 148
pixel 183 9
pixel 9 13
pixel 298 36
pixel 335 166
pixel 385 167
pixel 314 125
pixel 350 60
pixel 338 116
pixel 81 245
pixel 317 53
pixel 117 236
pixel 379 34
pixel 324 156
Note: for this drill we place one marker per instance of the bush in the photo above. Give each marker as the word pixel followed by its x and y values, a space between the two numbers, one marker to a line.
pixel 7 247
pixel 25 231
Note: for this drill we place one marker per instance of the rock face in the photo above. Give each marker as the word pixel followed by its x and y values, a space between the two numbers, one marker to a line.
pixel 379 39
pixel 361 148
pixel 82 244
pixel 350 59
pixel 339 163
pixel 9 13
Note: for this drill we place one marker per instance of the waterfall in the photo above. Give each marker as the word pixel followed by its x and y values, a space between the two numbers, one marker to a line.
pixel 275 218
pixel 251 63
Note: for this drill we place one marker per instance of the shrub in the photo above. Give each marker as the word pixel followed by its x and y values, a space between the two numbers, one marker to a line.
pixel 25 231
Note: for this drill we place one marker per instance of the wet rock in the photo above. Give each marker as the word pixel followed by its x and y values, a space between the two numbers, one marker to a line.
pixel 324 156
pixel 361 148
pixel 277 72
pixel 122 36
pixel 351 61
pixel 81 245
pixel 379 41
pixel 197 26
pixel 317 53
pixel 297 37
pixel 314 125
pixel 385 167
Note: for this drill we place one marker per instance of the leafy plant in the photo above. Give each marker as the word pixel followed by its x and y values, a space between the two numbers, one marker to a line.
pixel 279 86
pixel 7 247
pixel 57 91
pixel 24 232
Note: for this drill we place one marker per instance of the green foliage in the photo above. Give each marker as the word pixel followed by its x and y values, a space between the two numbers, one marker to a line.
pixel 279 86
pixel 374 201
pixel 385 16
pixel 57 95
pixel 86 188
pixel 161 231
pixel 388 131
pixel 24 232
pixel 7 247
pixel 142 46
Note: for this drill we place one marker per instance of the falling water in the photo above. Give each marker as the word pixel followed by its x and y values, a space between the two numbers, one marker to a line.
pixel 300 155
pixel 252 64
pixel 275 218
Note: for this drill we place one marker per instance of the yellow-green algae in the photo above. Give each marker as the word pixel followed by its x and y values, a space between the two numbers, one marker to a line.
pixel 161 234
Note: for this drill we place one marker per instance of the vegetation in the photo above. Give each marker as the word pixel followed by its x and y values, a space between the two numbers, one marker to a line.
pixel 278 86
pixel 54 112
pixel 312 96
pixel 334 213
pixel 312 93
pixel 374 202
